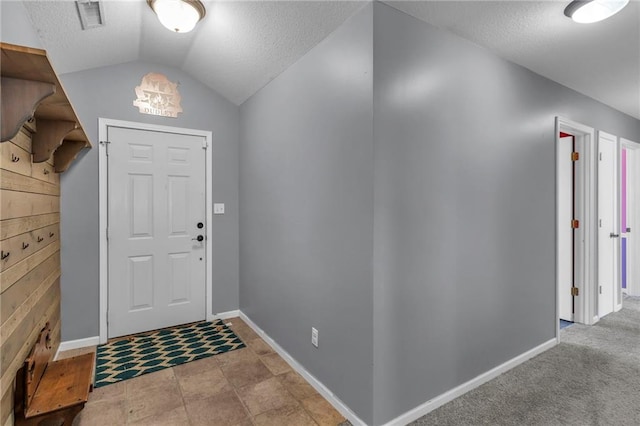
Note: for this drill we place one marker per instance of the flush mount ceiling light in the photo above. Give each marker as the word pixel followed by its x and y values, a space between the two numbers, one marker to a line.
pixel 589 11
pixel 180 16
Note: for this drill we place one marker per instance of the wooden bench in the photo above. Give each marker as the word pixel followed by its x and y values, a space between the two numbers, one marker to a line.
pixel 51 392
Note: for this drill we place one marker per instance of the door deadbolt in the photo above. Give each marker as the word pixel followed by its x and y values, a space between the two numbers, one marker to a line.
pixel 200 225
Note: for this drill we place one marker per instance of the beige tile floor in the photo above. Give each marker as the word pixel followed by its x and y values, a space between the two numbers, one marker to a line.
pixel 249 386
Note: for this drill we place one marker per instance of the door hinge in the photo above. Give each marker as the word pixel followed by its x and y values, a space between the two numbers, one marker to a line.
pixel 575 291
pixel 205 145
pixel 600 289
pixel 600 156
pixel 106 231
pixel 106 146
pixel 575 224
pixel 575 156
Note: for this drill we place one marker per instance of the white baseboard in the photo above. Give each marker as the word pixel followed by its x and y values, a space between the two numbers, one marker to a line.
pixel 225 315
pixel 77 344
pixel 454 393
pixel 321 388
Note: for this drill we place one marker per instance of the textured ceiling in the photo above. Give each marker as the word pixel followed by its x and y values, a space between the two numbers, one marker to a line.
pixel 600 60
pixel 241 45
pixel 72 49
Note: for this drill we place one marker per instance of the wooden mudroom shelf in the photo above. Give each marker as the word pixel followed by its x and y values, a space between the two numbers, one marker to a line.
pixel 32 96
pixel 40 135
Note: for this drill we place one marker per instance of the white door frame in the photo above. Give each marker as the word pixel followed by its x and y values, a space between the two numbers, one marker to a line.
pixel 103 125
pixel 565 238
pixel 585 302
pixel 633 271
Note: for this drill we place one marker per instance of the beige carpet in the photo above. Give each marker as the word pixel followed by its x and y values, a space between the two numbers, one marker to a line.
pixel 591 378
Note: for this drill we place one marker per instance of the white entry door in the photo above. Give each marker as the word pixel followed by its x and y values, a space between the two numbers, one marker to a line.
pixel 156 217
pixel 608 233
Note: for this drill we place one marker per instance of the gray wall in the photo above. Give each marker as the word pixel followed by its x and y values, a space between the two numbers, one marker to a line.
pixel 464 208
pixel 16 26
pixel 108 92
pixel 306 211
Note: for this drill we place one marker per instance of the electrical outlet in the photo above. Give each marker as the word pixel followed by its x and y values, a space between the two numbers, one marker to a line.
pixel 314 337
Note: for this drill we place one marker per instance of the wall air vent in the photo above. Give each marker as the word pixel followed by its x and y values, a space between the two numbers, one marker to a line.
pixel 91 13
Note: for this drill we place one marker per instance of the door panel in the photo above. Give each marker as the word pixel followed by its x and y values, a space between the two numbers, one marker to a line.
pixel 141 201
pixel 178 200
pixel 608 233
pixel 156 198
pixel 140 282
pixel 179 271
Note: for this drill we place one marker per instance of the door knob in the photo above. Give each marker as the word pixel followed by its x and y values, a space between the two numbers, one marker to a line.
pixel 198 238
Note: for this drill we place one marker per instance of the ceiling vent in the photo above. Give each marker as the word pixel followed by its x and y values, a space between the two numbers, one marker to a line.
pixel 91 13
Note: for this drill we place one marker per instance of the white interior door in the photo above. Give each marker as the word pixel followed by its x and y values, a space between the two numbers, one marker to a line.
pixel 156 211
pixel 565 236
pixel 608 233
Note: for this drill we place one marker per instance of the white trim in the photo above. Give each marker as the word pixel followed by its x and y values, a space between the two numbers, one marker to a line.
pixel 103 125
pixel 564 172
pixel 226 315
pixel 317 384
pixel 585 301
pixel 209 218
pixel 77 344
pixel 458 391
pixel 102 227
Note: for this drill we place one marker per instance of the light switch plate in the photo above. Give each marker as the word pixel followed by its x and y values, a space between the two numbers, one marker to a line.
pixel 218 208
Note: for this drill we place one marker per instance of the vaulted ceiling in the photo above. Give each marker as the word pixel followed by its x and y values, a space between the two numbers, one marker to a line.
pixel 241 45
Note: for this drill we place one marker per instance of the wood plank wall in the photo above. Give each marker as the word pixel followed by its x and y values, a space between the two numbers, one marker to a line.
pixel 30 274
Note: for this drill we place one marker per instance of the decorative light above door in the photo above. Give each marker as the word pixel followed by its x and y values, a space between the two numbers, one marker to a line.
pixel 180 16
pixel 590 11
